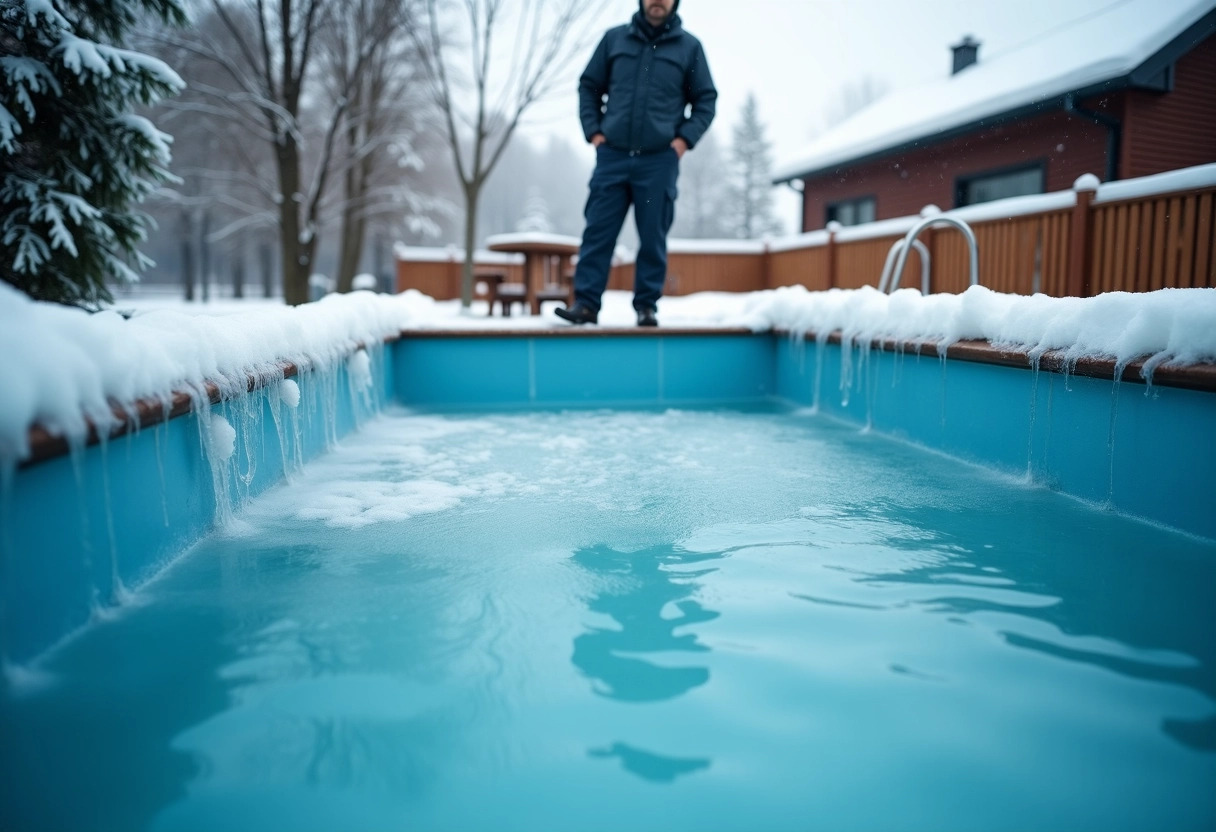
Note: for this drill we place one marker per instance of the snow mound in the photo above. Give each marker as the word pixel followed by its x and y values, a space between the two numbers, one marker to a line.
pixel 61 367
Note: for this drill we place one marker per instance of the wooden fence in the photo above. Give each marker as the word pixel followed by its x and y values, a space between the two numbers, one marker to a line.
pixel 1137 244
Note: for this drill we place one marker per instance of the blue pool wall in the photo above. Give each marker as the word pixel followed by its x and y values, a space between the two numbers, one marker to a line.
pixel 1140 450
pixel 131 505
pixel 1143 451
pixel 488 373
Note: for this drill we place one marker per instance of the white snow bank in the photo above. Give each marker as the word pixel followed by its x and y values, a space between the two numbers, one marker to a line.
pixel 1176 326
pixel 59 366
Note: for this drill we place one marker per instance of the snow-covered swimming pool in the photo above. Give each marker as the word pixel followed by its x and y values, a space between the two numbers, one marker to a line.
pixel 634 620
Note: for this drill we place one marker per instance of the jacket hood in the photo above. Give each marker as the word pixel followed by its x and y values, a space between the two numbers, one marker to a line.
pixel 642 7
pixel 674 9
pixel 674 25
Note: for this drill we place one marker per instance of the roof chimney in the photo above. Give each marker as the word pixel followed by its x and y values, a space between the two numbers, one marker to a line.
pixel 965 54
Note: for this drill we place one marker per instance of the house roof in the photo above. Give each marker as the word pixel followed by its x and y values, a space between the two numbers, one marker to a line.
pixel 1113 47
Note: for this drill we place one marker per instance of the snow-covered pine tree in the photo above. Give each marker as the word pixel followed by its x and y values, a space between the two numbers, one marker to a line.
pixel 536 214
pixel 752 187
pixel 75 159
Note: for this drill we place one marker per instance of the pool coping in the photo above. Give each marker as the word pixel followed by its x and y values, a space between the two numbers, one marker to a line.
pixel 45 446
pixel 1200 377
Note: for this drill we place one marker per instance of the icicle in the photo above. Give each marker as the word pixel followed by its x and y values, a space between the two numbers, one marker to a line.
pixel 378 360
pixel 359 382
pixel 292 395
pixel 217 441
pixel 846 368
pixel 870 367
pixel 1110 436
pixel 163 427
pixel 1034 403
pixel 118 592
pixel 1150 367
pixel 944 362
pixel 329 381
pixel 798 345
pixel 821 339
pixel 250 407
pixel 274 402
pixel 76 453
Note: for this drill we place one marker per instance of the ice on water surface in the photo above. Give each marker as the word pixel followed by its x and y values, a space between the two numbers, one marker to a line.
pixel 614 619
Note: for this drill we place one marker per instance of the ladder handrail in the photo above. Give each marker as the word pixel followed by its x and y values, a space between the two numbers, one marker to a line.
pixel 922 249
pixel 912 234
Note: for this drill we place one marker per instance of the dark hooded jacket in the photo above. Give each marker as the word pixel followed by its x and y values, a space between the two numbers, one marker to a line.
pixel 649 78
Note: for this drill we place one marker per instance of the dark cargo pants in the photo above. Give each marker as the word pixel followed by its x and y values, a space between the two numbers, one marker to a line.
pixel 648 181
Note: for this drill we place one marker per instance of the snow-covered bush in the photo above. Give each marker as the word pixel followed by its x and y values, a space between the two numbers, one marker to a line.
pixel 75 159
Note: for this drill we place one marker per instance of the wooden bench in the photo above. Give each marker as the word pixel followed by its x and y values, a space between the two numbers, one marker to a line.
pixel 498 290
pixel 563 290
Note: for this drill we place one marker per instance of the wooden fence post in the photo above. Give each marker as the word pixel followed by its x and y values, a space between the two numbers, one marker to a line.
pixel 1080 243
pixel 833 227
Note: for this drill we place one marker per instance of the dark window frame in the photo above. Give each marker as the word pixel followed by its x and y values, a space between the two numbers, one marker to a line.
pixel 961 182
pixel 832 207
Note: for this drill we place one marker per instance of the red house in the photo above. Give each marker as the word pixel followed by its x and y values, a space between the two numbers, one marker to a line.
pixel 1127 92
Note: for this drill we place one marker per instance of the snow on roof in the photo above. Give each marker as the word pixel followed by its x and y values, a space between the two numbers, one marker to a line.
pixel 1105 46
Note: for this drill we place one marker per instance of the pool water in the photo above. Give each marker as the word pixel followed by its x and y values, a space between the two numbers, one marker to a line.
pixel 676 620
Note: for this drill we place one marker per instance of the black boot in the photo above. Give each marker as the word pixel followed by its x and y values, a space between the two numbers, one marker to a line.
pixel 646 316
pixel 578 314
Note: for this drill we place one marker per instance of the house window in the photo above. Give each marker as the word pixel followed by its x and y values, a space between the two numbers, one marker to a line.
pixel 1000 184
pixel 853 211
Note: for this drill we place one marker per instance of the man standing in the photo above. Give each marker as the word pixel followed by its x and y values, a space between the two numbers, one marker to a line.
pixel 633 99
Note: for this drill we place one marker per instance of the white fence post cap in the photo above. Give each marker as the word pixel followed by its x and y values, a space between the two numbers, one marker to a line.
pixel 1086 182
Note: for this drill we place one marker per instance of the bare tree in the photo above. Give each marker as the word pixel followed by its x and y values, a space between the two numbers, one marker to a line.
pixel 548 36
pixel 268 54
pixel 222 174
pixel 386 103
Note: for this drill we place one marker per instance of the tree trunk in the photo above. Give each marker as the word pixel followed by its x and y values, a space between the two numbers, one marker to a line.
pixel 378 258
pixel 472 194
pixel 266 256
pixel 238 270
pixel 352 248
pixel 296 263
pixel 204 255
pixel 352 226
pixel 187 264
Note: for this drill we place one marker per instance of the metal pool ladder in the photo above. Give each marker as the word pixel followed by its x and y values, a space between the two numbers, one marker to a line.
pixel 899 253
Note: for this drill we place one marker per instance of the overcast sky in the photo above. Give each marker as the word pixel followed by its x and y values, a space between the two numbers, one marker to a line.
pixel 796 55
